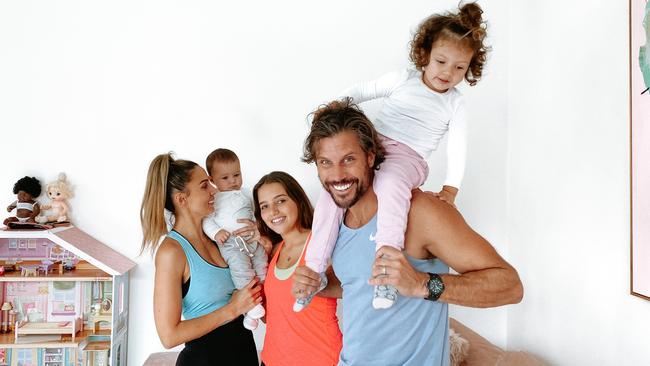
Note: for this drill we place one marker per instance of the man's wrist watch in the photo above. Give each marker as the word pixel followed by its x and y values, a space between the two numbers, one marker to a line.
pixel 435 287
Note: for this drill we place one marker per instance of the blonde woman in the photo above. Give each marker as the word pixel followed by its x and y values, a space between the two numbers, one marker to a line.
pixel 192 278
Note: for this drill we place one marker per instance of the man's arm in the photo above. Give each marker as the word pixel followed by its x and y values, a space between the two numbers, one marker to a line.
pixel 306 281
pixel 437 229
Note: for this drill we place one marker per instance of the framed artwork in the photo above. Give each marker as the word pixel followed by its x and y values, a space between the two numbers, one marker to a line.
pixel 640 148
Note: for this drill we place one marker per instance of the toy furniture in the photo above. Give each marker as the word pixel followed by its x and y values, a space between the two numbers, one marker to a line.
pixel 28 270
pixel 71 327
pixel 69 299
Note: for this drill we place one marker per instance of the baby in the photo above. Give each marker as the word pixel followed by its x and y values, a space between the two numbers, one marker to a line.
pixel 230 204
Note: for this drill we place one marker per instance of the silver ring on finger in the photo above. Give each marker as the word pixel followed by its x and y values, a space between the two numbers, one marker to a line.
pixel 384 270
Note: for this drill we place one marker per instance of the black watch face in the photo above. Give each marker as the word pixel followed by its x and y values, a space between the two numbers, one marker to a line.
pixel 435 287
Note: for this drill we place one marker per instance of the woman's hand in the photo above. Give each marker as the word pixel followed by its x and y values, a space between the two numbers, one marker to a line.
pixel 248 232
pixel 245 299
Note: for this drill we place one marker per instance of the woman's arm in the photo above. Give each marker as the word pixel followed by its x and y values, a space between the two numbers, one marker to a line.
pixel 170 267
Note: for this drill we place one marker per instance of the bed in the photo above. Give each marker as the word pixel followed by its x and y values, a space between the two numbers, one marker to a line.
pixel 25 327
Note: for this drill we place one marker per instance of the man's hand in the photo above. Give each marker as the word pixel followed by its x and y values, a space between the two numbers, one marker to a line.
pixel 222 236
pixel 305 282
pixel 392 268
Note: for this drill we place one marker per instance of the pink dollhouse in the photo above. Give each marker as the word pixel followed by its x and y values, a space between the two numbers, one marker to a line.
pixel 64 299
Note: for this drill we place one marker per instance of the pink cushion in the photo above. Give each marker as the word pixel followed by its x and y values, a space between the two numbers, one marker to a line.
pixel 161 359
pixel 484 353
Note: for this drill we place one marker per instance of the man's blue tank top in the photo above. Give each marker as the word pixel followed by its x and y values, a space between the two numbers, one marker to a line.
pixel 210 286
pixel 412 332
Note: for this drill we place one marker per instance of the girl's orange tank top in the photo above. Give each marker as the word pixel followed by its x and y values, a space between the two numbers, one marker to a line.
pixel 309 337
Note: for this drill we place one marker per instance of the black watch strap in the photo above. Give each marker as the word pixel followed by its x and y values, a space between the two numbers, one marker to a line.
pixel 435 286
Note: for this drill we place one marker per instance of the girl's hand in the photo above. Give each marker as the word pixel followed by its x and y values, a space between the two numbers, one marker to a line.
pixel 245 299
pixel 266 244
pixel 448 194
pixel 248 232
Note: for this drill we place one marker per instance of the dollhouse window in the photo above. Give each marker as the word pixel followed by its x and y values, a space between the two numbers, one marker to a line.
pixel 63 296
pixel 25 357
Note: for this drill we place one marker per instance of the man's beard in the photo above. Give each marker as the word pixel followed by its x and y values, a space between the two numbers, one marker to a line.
pixel 360 191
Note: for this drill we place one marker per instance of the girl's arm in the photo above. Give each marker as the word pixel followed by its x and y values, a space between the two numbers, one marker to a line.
pixel 379 88
pixel 456 150
pixel 12 206
pixel 170 266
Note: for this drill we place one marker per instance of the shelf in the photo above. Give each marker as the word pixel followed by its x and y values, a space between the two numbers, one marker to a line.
pixel 74 275
pixel 30 234
pixel 97 346
pixel 7 340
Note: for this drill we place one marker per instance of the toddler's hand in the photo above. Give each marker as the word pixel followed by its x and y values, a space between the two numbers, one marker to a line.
pixel 448 194
pixel 222 236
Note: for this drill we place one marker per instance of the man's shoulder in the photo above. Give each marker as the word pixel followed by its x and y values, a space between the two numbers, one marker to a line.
pixel 426 206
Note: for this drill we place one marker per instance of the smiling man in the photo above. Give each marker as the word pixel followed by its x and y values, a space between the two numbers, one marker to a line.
pixel 414 331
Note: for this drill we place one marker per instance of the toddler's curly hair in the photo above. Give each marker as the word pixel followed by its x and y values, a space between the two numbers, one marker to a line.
pixel 466 27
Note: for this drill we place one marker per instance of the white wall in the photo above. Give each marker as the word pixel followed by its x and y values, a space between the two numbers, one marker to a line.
pixel 97 89
pixel 568 185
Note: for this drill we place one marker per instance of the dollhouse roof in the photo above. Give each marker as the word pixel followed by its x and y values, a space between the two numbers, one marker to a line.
pixel 82 245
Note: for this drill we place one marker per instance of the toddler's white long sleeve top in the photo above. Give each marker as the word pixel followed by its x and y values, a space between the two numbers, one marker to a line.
pixel 419 117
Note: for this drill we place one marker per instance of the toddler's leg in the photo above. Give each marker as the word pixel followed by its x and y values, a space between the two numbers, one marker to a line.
pixel 241 271
pixel 325 232
pixel 402 171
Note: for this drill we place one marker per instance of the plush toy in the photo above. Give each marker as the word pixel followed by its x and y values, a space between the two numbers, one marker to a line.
pixel 59 192
pixel 26 189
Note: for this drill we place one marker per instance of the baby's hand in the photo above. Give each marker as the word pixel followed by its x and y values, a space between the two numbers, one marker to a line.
pixel 222 236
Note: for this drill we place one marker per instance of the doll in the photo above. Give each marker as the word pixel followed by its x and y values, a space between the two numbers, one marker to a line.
pixel 26 189
pixel 58 191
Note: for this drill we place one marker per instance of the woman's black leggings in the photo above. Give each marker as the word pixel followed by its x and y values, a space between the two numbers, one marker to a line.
pixel 230 344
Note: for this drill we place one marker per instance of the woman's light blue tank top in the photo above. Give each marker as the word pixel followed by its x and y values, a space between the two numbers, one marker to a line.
pixel 412 332
pixel 210 286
